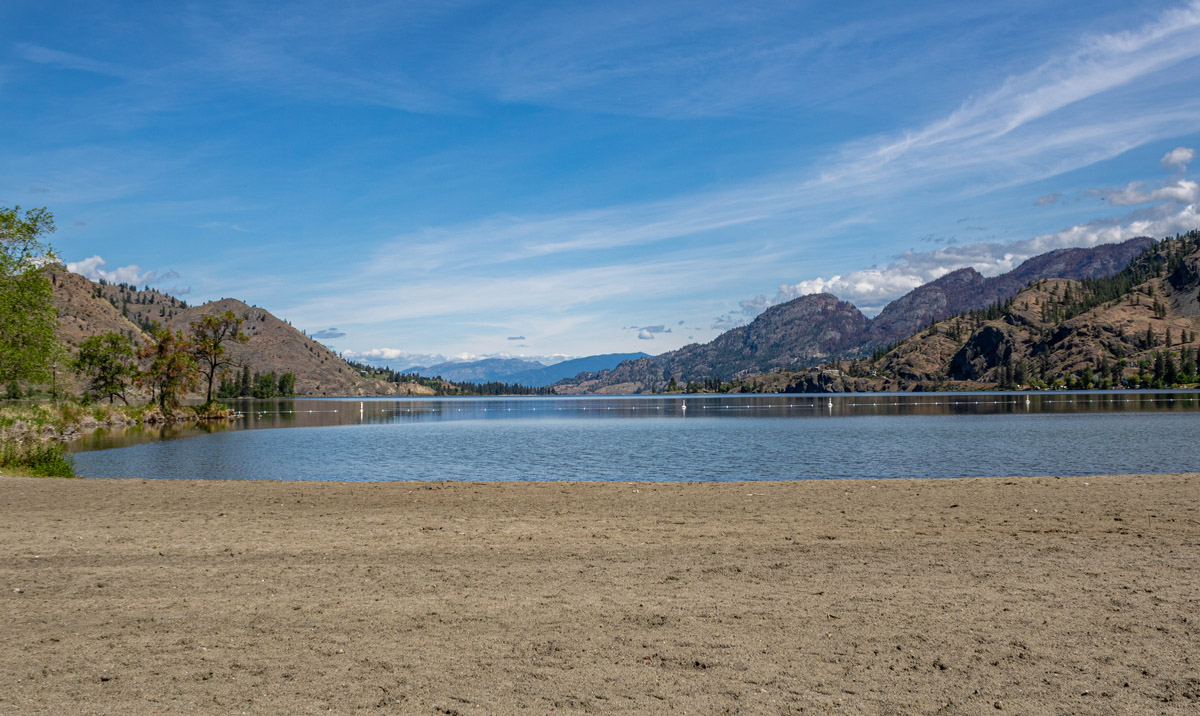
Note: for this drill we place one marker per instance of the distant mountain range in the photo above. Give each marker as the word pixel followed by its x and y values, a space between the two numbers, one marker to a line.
pixel 820 327
pixel 782 341
pixel 524 372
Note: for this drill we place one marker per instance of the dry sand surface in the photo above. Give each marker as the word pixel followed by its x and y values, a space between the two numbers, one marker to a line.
pixel 1027 596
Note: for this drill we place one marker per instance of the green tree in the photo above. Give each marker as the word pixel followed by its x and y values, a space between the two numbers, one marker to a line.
pixel 172 370
pixel 209 336
pixel 106 362
pixel 246 386
pixel 287 384
pixel 27 313
pixel 265 385
pixel 228 388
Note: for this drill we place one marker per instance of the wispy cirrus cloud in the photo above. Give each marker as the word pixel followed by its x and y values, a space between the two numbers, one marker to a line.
pixel 1034 125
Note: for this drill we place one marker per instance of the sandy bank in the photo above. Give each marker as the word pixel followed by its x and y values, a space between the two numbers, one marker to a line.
pixel 1039 595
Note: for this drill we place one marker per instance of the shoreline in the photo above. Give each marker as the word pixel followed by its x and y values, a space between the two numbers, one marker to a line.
pixel 906 595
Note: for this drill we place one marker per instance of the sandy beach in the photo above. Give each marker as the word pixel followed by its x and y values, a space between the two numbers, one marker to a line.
pixel 1028 595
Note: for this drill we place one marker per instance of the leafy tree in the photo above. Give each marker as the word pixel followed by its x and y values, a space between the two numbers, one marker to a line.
pixel 27 314
pixel 172 370
pixel 287 384
pixel 209 336
pixel 106 361
pixel 265 385
pixel 246 386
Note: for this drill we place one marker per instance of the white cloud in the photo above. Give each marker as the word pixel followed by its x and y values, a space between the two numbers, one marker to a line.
pixel 402 358
pixel 647 333
pixel 868 288
pixel 871 289
pixel 394 355
pixel 132 274
pixel 1182 191
pixel 1178 158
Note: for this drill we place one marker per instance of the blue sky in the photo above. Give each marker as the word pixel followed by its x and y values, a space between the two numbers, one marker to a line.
pixel 417 180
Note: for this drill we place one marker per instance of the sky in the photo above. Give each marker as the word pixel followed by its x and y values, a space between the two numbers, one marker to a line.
pixel 418 181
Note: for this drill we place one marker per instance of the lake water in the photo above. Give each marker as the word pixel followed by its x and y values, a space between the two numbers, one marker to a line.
pixel 771 437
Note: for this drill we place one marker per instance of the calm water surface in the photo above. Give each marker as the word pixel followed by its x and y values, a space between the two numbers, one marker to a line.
pixel 774 437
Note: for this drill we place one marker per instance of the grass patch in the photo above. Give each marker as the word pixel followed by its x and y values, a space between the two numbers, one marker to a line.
pixel 36 459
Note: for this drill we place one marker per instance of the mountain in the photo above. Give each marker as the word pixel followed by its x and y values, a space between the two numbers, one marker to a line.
pixel 1139 326
pixel 966 289
pixel 819 327
pixel 487 370
pixel 86 309
pixel 528 373
pixel 547 375
pixel 792 333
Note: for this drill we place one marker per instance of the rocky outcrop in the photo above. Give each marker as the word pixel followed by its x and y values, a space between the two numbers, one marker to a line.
pixel 989 347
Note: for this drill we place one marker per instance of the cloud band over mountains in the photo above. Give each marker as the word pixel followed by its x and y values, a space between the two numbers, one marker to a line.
pixel 1176 210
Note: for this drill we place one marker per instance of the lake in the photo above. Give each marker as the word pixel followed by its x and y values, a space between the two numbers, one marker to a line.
pixel 695 437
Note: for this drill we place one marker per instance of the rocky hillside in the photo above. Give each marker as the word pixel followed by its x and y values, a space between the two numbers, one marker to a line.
pixel 812 329
pixel 86 308
pixel 1140 327
pixel 793 333
pixel 83 311
pixel 967 289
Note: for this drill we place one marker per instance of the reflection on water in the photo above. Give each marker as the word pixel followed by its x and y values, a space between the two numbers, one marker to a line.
pixel 324 412
pixel 667 438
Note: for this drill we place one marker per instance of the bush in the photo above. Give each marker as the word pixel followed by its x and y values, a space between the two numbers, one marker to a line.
pixel 40 459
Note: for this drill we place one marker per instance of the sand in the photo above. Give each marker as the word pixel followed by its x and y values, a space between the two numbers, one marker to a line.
pixel 1030 595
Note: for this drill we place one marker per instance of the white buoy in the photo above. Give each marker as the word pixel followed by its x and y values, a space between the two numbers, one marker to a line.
pixel 831 403
pixel 684 406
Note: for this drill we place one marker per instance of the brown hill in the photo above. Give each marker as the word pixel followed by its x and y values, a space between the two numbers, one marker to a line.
pixel 275 346
pixel 86 308
pixel 83 311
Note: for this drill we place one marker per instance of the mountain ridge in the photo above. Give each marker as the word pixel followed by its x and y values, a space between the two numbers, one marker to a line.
pixel 820 327
pixel 1139 328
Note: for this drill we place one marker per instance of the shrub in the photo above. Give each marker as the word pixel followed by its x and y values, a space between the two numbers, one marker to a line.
pixel 39 459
